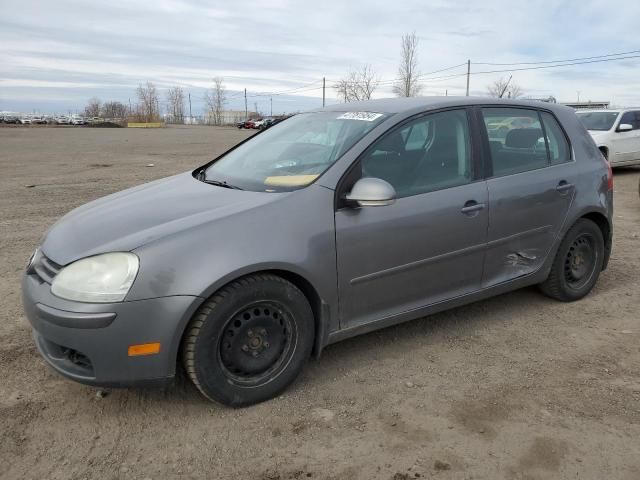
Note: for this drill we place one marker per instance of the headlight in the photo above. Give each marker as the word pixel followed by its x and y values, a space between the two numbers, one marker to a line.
pixel 101 279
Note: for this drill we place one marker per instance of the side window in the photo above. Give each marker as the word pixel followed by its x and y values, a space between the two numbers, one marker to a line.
pixel 629 118
pixel 636 125
pixel 516 140
pixel 559 150
pixel 430 153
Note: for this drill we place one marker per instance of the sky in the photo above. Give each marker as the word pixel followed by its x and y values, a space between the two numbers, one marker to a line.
pixel 55 55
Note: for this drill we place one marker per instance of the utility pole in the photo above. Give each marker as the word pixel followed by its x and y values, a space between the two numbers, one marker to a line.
pixel 323 87
pixel 446 92
pixel 190 116
pixel 246 113
pixel 468 75
pixel 271 109
pixel 505 87
pixel 578 96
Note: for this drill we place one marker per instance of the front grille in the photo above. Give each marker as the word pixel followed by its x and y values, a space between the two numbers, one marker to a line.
pixel 45 268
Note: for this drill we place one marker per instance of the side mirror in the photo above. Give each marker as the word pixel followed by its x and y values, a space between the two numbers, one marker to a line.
pixel 625 127
pixel 372 192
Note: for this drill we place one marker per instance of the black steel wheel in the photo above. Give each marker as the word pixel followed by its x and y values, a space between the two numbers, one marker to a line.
pixel 256 342
pixel 249 341
pixel 577 263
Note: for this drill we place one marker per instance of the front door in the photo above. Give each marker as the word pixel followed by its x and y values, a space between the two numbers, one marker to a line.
pixel 429 245
pixel 530 192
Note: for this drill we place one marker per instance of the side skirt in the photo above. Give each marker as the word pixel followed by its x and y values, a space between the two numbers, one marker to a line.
pixel 525 281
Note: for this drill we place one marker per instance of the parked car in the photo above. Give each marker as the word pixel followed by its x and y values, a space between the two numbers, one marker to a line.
pixel 9 118
pixel 25 120
pixel 616 132
pixel 246 123
pixel 62 120
pixel 333 223
pixel 258 124
pixel 501 126
pixel 37 119
pixel 77 120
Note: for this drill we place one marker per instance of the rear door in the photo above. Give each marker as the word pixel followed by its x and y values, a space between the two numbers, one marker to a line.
pixel 530 188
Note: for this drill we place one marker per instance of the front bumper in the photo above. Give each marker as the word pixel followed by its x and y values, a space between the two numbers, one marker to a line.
pixel 88 342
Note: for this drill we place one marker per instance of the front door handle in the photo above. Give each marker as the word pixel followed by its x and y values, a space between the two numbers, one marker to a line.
pixel 472 206
pixel 564 186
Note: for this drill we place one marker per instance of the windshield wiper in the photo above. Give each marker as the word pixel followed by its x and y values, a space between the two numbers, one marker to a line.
pixel 219 183
pixel 202 176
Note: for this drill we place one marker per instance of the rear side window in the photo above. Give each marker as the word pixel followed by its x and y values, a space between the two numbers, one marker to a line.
pixel 559 151
pixel 516 140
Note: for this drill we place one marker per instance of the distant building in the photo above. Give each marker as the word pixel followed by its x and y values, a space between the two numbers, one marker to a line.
pixel 585 105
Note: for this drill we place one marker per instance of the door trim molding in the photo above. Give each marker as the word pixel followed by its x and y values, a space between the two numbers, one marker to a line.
pixel 415 264
pixel 526 233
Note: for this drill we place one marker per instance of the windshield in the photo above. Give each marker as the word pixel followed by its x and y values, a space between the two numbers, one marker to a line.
pixel 598 120
pixel 293 153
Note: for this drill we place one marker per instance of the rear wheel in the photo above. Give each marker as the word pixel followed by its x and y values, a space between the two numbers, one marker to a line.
pixel 249 341
pixel 578 263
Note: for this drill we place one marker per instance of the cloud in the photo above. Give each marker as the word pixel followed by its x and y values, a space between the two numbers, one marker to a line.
pixel 72 50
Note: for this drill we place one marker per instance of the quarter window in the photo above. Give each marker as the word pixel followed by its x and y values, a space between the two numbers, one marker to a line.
pixel 430 153
pixel 559 151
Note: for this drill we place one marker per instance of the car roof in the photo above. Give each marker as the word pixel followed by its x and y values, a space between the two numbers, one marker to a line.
pixel 417 104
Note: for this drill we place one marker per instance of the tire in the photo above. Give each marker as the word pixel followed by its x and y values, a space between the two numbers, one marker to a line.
pixel 577 264
pixel 249 341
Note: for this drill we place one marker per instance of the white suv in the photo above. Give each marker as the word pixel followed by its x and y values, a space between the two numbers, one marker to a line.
pixel 616 132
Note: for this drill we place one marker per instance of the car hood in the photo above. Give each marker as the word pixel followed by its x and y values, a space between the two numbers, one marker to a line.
pixel 129 219
pixel 598 134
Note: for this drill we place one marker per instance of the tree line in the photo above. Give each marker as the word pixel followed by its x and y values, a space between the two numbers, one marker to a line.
pixel 147 107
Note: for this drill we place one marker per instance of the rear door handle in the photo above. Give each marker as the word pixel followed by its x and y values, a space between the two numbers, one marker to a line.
pixel 472 206
pixel 564 186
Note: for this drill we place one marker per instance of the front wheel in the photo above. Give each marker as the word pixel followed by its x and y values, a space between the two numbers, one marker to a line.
pixel 577 264
pixel 249 341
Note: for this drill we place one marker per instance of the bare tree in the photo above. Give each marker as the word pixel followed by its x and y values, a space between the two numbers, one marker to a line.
pixel 359 85
pixel 148 108
pixel 216 98
pixel 504 88
pixel 175 104
pixel 114 109
pixel 93 107
pixel 408 75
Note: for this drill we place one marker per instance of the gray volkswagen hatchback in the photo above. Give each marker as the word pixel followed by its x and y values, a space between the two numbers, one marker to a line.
pixel 330 224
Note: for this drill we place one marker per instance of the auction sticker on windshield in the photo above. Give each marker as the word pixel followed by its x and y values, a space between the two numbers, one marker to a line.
pixel 364 116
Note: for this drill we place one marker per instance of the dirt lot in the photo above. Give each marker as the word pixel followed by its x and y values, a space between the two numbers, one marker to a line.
pixel 517 387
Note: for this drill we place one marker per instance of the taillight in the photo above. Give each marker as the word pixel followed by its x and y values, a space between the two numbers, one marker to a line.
pixel 609 171
pixel 609 174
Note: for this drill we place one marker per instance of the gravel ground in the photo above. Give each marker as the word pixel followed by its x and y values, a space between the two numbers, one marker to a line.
pixel 515 387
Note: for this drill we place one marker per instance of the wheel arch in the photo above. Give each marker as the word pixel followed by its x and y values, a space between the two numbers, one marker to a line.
pixel 605 227
pixel 319 308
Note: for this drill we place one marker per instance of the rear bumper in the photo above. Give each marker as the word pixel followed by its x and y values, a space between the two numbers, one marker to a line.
pixel 89 342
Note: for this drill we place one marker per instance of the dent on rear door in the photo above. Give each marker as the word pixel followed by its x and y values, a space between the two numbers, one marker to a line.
pixel 526 213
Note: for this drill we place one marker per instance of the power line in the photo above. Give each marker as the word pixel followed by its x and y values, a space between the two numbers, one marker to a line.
pixel 559 61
